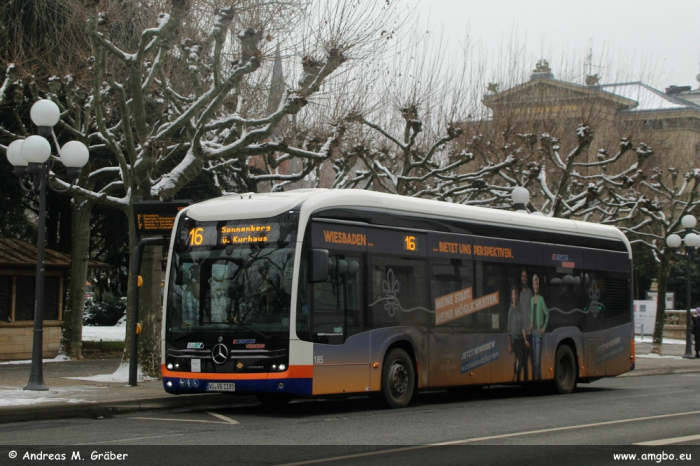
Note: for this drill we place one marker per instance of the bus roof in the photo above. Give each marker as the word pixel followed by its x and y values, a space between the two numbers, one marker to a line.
pixel 264 205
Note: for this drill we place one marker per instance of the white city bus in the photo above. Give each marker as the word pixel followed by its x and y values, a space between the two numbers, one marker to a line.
pixel 318 292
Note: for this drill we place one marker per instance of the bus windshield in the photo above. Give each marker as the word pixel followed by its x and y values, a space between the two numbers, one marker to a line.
pixel 224 283
pixel 246 288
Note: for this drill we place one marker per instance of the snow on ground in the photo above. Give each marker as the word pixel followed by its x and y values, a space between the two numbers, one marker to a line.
pixel 667 341
pixel 115 333
pixel 59 358
pixel 657 356
pixel 121 375
pixel 17 396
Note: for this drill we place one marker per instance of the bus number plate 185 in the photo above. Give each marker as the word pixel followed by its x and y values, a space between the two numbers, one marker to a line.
pixel 221 387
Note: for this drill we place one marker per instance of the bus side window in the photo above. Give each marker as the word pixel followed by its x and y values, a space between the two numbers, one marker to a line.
pixel 492 279
pixel 564 297
pixel 607 296
pixel 336 305
pixel 398 292
pixel 446 279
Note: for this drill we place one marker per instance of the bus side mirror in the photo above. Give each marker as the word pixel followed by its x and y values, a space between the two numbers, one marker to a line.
pixel 319 266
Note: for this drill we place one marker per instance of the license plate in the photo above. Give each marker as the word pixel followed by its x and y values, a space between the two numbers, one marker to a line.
pixel 221 387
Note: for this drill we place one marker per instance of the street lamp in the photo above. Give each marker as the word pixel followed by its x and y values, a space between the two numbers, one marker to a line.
pixel 30 157
pixel 520 197
pixel 691 241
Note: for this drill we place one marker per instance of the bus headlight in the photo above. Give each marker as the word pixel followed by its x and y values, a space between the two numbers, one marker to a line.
pixel 169 384
pixel 170 366
pixel 282 367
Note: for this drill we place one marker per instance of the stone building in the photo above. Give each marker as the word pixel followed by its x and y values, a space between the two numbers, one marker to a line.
pixel 667 121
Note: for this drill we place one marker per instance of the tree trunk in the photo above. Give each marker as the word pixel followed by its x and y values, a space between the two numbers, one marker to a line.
pixel 660 305
pixel 81 209
pixel 149 314
pixel 150 307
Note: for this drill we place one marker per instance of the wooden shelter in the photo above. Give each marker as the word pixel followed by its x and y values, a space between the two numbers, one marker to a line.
pixel 17 288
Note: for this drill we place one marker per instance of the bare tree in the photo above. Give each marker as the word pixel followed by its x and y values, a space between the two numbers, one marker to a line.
pixel 162 106
pixel 649 214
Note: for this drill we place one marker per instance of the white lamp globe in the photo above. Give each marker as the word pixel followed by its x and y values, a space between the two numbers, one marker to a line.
pixel 36 149
pixel 692 240
pixel 74 154
pixel 14 154
pixel 688 221
pixel 673 241
pixel 520 195
pixel 45 113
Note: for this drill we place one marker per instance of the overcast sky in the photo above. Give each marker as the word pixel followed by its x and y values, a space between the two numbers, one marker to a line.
pixel 657 41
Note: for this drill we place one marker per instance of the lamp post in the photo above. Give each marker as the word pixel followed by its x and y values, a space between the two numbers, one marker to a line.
pixel 520 197
pixel 31 158
pixel 691 241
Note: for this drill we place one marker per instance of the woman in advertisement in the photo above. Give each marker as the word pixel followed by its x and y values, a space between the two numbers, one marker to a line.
pixel 516 343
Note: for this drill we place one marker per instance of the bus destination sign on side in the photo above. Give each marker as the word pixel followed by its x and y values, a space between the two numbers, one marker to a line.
pixel 156 217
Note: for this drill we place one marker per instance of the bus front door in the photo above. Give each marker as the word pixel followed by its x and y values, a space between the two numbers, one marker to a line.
pixel 343 368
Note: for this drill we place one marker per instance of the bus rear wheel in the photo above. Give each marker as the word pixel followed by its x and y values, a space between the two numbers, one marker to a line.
pixel 398 378
pixel 564 370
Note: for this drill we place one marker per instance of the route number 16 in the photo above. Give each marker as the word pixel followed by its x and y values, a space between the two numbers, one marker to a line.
pixel 410 243
pixel 196 237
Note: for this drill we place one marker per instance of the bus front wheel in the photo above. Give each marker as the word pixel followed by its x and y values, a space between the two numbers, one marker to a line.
pixel 564 370
pixel 398 378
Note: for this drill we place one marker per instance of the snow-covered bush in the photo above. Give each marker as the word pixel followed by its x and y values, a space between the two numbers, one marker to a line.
pixel 106 312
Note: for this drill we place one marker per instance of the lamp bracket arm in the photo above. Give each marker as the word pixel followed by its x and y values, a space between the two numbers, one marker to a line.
pixel 33 189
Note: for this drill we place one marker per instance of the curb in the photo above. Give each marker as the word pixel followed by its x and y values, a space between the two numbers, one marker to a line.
pixel 660 371
pixel 51 411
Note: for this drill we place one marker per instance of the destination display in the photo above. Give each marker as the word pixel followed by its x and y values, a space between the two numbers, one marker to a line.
pixel 353 238
pixel 157 217
pixel 236 232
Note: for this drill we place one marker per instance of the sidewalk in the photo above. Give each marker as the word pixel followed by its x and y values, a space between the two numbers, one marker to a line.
pixel 98 387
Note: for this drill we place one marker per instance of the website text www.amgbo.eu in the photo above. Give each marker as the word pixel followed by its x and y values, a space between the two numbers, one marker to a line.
pixel 656 457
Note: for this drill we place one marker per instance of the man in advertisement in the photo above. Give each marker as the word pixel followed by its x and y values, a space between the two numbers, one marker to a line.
pixel 539 316
pixel 524 300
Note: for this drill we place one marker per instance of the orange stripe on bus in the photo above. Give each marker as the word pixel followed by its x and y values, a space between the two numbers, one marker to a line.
pixel 293 372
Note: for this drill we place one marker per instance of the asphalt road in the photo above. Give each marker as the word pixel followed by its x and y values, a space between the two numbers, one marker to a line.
pixel 608 417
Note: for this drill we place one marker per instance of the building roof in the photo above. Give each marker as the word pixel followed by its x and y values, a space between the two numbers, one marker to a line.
pixel 631 97
pixel 647 98
pixel 574 88
pixel 18 253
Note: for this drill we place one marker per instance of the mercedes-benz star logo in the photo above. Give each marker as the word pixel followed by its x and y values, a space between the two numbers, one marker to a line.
pixel 219 353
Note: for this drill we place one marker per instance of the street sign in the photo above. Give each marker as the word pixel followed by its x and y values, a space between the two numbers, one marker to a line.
pixel 157 217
